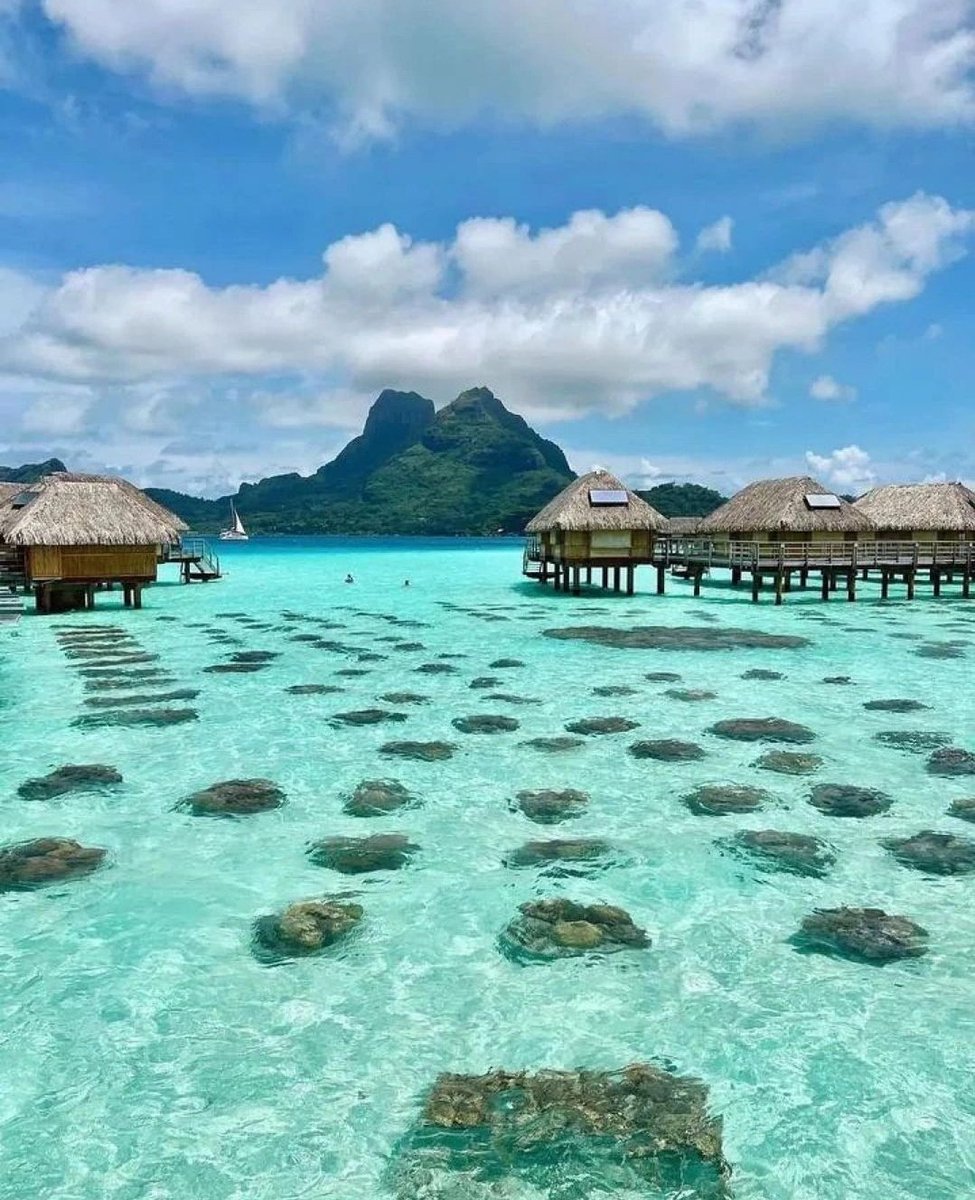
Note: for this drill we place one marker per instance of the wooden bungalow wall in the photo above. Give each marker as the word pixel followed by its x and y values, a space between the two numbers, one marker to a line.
pixel 91 562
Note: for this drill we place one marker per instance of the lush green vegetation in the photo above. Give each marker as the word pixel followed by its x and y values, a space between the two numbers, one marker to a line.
pixel 683 499
pixel 471 468
pixel 31 472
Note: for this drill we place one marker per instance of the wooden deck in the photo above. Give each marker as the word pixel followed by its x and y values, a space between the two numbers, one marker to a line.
pixel 781 565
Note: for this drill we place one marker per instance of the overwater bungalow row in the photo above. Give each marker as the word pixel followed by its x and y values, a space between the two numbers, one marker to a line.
pixel 781 530
pixel 596 523
pixel 68 535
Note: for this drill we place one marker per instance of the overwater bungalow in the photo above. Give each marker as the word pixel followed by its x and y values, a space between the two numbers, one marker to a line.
pixel 777 526
pixel 796 509
pixel 920 512
pixel 69 534
pixel 595 522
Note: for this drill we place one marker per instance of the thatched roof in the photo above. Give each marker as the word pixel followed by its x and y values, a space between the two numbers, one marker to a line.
pixel 682 526
pixel 573 509
pixel 86 510
pixel 920 506
pixel 780 505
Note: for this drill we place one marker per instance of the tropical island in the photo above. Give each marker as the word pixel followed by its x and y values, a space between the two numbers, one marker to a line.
pixel 472 467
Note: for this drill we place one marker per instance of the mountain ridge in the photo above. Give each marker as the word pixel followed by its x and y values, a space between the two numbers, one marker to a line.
pixel 471 467
pixel 31 472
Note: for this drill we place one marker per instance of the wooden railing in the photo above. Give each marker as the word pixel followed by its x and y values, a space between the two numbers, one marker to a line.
pixel 798 555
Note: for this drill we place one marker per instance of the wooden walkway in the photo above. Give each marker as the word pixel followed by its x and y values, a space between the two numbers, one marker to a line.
pixel 781 565
pixel 835 563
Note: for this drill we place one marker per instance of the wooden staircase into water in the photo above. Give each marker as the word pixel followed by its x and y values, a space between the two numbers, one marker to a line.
pixel 198 562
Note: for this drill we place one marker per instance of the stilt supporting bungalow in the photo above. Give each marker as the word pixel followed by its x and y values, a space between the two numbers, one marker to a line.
pixel 69 535
pixel 595 522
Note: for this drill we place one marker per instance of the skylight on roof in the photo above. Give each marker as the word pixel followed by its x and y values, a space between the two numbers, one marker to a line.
pixel 22 499
pixel 822 500
pixel 608 497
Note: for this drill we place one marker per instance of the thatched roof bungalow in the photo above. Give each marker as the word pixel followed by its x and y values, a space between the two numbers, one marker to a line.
pixel 73 532
pixel 595 521
pixel 681 527
pixel 920 512
pixel 796 509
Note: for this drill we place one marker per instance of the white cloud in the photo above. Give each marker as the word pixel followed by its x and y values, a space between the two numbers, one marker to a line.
pixel 631 249
pixel 825 387
pixel 717 236
pixel 849 468
pixel 583 318
pixel 58 415
pixel 687 65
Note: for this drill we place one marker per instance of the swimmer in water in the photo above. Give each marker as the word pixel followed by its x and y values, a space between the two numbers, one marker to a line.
pixel 406 583
pixel 349 579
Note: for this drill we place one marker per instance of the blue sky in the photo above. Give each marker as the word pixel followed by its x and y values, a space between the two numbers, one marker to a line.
pixel 706 241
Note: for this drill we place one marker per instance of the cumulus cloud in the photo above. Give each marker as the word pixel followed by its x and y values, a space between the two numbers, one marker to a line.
pixel 717 236
pixel 825 387
pixel 586 317
pixel 689 66
pixel 849 468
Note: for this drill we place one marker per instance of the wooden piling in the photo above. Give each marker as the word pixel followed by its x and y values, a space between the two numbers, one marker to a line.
pixel 936 581
pixel 756 586
pixel 735 576
pixel 661 579
pixel 629 580
pixel 616 579
pixel 698 574
pixel 910 573
pixel 884 584
pixel 779 585
pixel 825 591
pixel 851 584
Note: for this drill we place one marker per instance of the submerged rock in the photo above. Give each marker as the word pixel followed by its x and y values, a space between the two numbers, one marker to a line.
pixel 306 927
pixel 70 778
pixel 715 800
pixel 437 668
pixel 690 695
pixel 793 853
pixel 505 664
pixel 408 647
pixel 159 717
pixel 255 656
pixel 404 698
pixel 234 668
pixel 130 701
pixel 549 806
pixel 668 637
pixel 563 929
pixel 555 745
pixel 419 751
pixel 789 762
pixel 951 761
pixel 313 689
pixel 668 750
pixel 556 1126
pixel 760 673
pixel 895 706
pixel 44 861
pixel 377 797
pixel 359 855
pixel 844 800
pixel 763 729
pixel 964 810
pixel 486 723
pixel 842 680
pixel 934 853
pixel 572 850
pixel 941 650
pixel 590 726
pixel 614 689
pixel 663 677
pixel 235 798
pixel 485 681
pixel 508 698
pixel 917 740
pixel 368 716
pixel 126 680
pixel 866 934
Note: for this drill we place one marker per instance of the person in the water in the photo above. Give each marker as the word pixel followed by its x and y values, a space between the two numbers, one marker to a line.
pixel 349 579
pixel 406 583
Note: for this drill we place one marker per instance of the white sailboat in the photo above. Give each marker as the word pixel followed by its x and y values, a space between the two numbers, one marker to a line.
pixel 236 532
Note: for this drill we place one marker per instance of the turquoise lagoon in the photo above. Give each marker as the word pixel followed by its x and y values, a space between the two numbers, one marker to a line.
pixel 146 1053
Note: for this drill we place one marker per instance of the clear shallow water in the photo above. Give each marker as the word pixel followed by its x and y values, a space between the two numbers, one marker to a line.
pixel 145 1053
